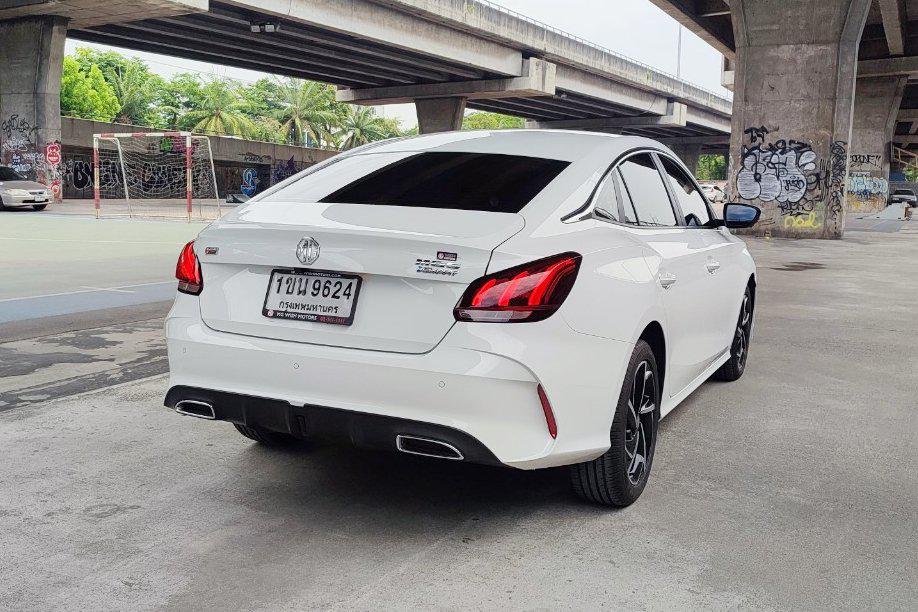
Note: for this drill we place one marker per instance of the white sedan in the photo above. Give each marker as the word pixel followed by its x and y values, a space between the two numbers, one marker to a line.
pixel 522 298
pixel 16 191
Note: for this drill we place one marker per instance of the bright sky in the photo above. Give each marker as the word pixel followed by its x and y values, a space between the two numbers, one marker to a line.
pixel 634 28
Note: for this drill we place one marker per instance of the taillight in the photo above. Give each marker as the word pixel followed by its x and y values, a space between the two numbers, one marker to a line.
pixel 530 292
pixel 188 271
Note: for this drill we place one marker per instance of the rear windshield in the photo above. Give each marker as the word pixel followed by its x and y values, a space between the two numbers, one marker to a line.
pixel 903 192
pixel 461 181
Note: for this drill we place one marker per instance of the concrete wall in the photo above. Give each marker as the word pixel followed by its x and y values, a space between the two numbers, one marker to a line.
pixel 876 106
pixel 240 165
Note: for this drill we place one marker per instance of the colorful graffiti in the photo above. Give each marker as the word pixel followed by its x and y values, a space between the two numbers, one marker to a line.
pixel 249 182
pixel 867 187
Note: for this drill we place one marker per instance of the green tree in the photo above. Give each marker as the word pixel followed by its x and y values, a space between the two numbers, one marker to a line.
pixel 360 126
pixel 481 120
pixel 307 112
pixel 178 96
pixel 85 94
pixel 219 111
pixel 711 168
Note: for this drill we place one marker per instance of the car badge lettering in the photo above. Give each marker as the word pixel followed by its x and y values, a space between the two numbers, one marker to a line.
pixel 447 256
pixel 307 251
pixel 440 268
pixel 211 250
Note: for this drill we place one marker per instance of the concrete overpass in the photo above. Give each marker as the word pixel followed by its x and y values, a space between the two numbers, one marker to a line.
pixel 835 76
pixel 443 55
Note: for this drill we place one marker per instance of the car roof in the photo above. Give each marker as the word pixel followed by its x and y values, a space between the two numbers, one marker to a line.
pixel 566 145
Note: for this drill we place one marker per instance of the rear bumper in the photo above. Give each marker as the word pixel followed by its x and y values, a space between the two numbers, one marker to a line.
pixel 319 422
pixel 480 381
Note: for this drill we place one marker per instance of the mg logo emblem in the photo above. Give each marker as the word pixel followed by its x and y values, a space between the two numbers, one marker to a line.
pixel 307 251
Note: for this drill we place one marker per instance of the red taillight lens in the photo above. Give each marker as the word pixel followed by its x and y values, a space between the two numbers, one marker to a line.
pixel 188 271
pixel 530 292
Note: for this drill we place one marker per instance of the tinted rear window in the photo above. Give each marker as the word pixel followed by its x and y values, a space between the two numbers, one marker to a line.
pixel 463 181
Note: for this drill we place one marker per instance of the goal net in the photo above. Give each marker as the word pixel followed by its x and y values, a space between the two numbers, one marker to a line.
pixel 168 174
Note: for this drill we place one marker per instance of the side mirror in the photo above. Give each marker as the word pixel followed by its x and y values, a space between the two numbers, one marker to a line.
pixel 738 216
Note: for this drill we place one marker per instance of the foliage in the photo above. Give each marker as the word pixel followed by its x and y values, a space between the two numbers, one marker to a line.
pixel 85 94
pixel 490 121
pixel 106 85
pixel 711 168
pixel 361 126
pixel 307 114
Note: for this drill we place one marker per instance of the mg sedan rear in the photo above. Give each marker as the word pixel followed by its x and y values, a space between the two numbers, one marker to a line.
pixel 523 298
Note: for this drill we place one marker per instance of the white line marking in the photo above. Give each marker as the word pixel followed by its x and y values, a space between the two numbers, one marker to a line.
pixel 35 297
pixel 107 289
pixel 175 244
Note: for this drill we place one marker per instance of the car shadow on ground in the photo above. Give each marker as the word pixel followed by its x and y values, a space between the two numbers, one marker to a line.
pixel 341 476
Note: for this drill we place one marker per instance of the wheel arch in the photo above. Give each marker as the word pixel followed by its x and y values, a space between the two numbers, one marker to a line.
pixel 654 336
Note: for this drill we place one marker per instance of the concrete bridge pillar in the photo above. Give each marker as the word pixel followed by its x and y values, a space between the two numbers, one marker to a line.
pixel 796 65
pixel 31 59
pixel 439 114
pixel 876 106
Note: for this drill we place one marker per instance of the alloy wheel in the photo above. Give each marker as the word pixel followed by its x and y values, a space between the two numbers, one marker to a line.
pixel 639 429
pixel 743 327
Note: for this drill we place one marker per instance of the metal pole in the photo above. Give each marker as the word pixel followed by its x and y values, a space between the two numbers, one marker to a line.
pixel 95 174
pixel 679 55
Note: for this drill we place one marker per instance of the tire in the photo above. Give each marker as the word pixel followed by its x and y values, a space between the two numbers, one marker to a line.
pixel 739 351
pixel 39 206
pixel 265 437
pixel 618 477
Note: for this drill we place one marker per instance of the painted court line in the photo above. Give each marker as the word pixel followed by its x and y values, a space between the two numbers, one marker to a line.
pixel 86 290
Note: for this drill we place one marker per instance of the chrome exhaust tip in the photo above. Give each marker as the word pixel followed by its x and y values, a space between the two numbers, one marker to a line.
pixel 425 447
pixel 194 408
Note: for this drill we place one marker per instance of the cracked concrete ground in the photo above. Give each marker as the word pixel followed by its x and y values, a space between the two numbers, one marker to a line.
pixel 794 488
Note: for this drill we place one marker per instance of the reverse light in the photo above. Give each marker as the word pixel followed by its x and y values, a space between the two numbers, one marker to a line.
pixel 525 293
pixel 188 271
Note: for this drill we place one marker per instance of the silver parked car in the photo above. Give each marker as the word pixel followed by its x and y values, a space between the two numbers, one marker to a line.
pixel 904 196
pixel 16 190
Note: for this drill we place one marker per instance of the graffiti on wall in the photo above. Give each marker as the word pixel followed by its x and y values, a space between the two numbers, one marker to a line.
pixel 18 149
pixel 866 193
pixel 861 161
pixel 249 182
pixel 21 150
pixel 867 187
pixel 804 191
pixel 283 170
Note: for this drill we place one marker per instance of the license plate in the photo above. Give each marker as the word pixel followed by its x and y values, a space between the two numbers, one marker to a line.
pixel 312 295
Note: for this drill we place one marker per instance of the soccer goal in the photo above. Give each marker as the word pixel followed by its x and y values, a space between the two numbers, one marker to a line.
pixel 147 174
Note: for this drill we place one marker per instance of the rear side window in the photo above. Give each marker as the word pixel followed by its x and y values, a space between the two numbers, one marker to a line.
pixel 690 199
pixel 645 188
pixel 462 181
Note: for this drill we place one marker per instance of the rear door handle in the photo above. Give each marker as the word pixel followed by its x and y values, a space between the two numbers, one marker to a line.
pixel 667 280
pixel 712 266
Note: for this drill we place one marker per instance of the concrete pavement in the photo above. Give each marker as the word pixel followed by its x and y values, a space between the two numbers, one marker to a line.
pixel 796 487
pixel 58 265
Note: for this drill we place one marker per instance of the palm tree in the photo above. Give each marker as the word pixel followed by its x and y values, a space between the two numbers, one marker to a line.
pixel 219 111
pixel 132 86
pixel 361 125
pixel 306 112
